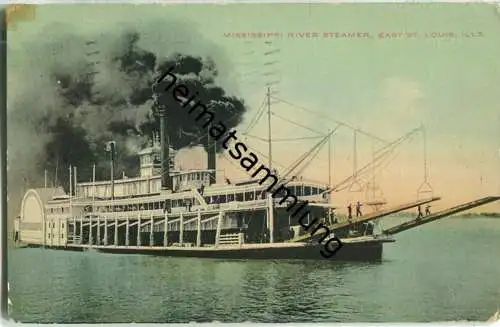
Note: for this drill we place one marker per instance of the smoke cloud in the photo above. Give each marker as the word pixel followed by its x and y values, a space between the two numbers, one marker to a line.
pixel 84 91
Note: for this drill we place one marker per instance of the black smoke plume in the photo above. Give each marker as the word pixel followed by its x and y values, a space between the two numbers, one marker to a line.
pixel 104 93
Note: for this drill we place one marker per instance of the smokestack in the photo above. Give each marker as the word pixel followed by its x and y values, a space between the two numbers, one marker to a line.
pixel 70 181
pixel 75 181
pixel 211 158
pixel 166 180
pixel 112 168
pixel 111 148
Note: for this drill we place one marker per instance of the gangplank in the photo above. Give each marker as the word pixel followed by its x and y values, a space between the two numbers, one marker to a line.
pixel 371 216
pixel 438 215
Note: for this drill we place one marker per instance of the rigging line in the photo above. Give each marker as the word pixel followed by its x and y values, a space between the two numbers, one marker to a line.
pixel 313 181
pixel 391 157
pixel 367 168
pixel 322 142
pixel 257 113
pixel 300 159
pixel 331 160
pixel 355 155
pixel 297 124
pixel 424 135
pixel 283 179
pixel 384 162
pixel 301 170
pixel 297 139
pixel 333 120
pixel 284 139
pixel 256 137
pixel 384 158
pixel 379 169
pixel 262 154
pixel 318 145
pixel 383 154
pixel 256 116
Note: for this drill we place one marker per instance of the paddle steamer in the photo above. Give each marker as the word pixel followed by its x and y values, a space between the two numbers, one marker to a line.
pixel 170 211
pixel 174 212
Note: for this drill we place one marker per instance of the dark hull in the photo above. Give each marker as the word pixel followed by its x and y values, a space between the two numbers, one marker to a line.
pixel 356 251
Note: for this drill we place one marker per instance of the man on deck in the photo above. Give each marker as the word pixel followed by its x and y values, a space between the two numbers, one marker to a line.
pixel 420 215
pixel 428 210
pixel 349 211
pixel 358 209
pixel 334 216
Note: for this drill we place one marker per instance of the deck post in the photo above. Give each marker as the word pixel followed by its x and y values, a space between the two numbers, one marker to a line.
pixel 165 231
pixel 151 239
pixel 98 241
pixel 105 232
pixel 139 230
pixel 74 229
pixel 127 231
pixel 90 231
pixel 116 232
pixel 181 229
pixel 270 216
pixel 198 233
pixel 81 229
pixel 217 233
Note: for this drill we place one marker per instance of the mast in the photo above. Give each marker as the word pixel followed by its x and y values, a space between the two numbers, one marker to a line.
pixel 329 160
pixel 373 175
pixel 269 195
pixel 269 127
pixel 4 304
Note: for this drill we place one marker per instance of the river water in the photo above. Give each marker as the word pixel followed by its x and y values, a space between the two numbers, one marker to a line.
pixel 447 270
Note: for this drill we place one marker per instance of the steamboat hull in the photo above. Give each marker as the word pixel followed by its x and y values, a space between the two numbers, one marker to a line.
pixel 351 251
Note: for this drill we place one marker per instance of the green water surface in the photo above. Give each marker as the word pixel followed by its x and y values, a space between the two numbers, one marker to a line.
pixel 448 270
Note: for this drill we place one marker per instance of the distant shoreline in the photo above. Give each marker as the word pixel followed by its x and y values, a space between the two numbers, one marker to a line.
pixel 479 215
pixel 470 215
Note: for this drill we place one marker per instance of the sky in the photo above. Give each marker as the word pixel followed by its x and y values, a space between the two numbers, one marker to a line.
pixel 383 86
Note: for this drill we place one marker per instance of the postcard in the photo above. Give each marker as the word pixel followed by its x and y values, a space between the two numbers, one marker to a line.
pixel 263 163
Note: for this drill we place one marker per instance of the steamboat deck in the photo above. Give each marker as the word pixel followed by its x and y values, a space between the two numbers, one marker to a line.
pixel 354 249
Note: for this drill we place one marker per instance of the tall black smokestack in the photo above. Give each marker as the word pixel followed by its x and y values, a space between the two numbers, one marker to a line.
pixel 166 180
pixel 211 158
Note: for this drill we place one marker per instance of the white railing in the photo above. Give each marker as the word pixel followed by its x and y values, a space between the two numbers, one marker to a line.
pixel 236 238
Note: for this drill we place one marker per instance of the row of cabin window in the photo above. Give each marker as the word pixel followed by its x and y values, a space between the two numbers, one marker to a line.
pixel 146 160
pixel 130 189
pixel 223 198
pixel 193 177
pixel 49 236
pixel 250 196
pixel 53 224
pixel 59 210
